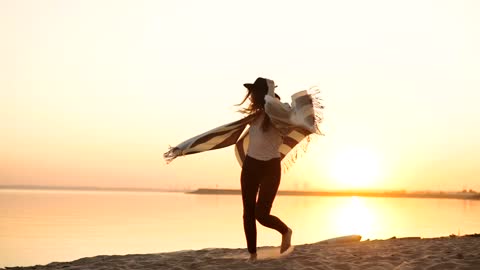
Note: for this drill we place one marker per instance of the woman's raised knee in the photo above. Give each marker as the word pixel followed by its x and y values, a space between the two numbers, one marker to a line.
pixel 261 214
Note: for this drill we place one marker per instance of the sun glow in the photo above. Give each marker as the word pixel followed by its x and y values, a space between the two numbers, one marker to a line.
pixel 356 168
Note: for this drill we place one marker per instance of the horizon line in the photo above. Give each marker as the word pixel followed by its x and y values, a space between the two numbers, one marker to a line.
pixel 147 189
pixel 89 188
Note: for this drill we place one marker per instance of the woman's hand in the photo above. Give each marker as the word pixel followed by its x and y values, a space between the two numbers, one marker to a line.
pixel 271 87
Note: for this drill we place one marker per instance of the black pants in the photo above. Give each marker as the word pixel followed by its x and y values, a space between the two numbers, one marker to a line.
pixel 262 177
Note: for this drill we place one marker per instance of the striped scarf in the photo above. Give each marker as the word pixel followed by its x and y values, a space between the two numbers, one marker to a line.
pixel 301 124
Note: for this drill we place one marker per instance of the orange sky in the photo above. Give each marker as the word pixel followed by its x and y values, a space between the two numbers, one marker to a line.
pixel 93 92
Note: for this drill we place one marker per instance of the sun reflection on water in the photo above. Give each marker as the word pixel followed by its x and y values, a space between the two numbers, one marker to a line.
pixel 353 216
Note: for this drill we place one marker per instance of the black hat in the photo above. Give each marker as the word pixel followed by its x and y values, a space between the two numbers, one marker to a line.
pixel 259 84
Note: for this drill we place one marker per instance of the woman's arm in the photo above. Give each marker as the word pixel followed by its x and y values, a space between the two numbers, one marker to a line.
pixel 277 110
pixel 279 113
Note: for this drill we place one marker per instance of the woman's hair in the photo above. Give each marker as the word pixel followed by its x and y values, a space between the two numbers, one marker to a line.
pixel 257 101
pixel 257 104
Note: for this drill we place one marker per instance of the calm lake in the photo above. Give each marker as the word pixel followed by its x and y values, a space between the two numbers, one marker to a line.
pixel 40 226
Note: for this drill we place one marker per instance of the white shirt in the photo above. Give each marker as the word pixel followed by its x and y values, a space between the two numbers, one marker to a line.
pixel 263 145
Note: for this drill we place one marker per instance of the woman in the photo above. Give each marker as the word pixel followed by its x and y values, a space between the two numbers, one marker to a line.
pixel 261 170
pixel 276 131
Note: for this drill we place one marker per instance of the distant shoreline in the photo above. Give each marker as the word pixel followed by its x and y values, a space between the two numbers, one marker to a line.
pixel 86 188
pixel 385 194
pixel 211 191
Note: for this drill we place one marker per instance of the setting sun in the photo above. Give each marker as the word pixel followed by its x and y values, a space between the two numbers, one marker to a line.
pixel 356 168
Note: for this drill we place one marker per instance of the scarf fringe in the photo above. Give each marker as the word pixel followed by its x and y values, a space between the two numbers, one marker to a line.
pixel 317 103
pixel 171 154
pixel 297 152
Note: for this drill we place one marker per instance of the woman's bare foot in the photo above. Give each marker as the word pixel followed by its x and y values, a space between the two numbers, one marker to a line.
pixel 286 241
pixel 253 257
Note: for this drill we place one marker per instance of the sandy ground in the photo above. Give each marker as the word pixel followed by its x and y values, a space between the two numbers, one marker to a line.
pixel 409 253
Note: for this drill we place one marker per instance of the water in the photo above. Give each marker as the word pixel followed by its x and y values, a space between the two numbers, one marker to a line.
pixel 38 227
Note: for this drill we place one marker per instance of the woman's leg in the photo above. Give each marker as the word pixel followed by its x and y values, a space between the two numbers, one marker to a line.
pixel 268 190
pixel 269 184
pixel 249 184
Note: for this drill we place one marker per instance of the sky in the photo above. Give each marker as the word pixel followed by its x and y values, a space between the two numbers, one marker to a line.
pixel 92 93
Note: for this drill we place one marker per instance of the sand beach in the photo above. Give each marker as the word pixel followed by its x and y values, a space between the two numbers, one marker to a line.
pixel 451 252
